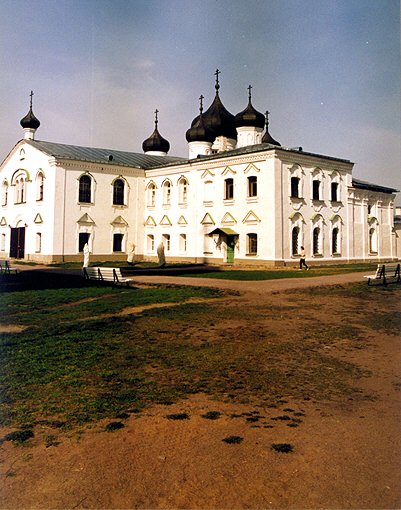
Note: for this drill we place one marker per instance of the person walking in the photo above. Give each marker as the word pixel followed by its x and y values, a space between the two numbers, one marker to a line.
pixel 302 262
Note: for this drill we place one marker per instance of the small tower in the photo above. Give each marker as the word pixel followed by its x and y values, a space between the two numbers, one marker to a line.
pixel 156 145
pixel 30 123
pixel 199 136
pixel 267 138
pixel 249 124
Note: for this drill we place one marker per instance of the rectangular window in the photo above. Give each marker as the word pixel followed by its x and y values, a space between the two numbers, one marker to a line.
pixel 118 242
pixel 252 186
pixel 316 190
pixel 151 243
pixel 252 248
pixel 334 192
pixel 38 242
pixel 294 187
pixel 3 242
pixel 183 243
pixel 228 189
pixel 82 240
pixel 166 241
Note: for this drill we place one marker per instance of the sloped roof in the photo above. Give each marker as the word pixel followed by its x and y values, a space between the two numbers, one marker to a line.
pixel 105 156
pixel 357 183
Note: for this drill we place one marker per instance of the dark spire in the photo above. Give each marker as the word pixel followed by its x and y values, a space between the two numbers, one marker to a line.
pixel 250 116
pixel 156 143
pixel 30 121
pixel 267 138
pixel 198 132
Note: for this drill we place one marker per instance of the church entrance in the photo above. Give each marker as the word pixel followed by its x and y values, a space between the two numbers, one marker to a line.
pixel 17 243
pixel 230 248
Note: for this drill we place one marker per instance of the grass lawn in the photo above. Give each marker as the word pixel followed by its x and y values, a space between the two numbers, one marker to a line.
pixel 72 364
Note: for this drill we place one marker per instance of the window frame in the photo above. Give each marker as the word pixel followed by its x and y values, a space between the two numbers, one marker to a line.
pixel 85 189
pixel 252 244
pixel 118 192
pixel 229 188
pixel 252 186
pixel 118 240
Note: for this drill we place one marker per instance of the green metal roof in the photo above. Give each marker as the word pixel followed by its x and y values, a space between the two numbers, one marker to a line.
pixel 103 156
pixel 224 231
pixel 357 183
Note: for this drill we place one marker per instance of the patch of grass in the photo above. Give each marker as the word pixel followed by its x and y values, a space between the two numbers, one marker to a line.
pixel 19 436
pixel 211 415
pixel 233 439
pixel 63 368
pixel 282 447
pixel 114 425
pixel 289 272
pixel 178 416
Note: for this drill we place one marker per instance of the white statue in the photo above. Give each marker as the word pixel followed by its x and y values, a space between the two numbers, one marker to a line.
pixel 86 255
pixel 131 253
pixel 160 254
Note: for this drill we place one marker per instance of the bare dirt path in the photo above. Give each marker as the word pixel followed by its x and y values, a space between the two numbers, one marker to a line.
pixel 256 287
pixel 346 451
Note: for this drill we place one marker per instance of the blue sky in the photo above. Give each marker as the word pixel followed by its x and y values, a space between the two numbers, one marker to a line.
pixel 327 70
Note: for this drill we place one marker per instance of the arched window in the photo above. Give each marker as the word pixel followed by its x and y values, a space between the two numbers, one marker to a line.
pixel 151 195
pixel 316 189
pixel 295 187
pixel 4 193
pixel 183 190
pixel 85 188
pixel 39 186
pixel 118 194
pixel 372 240
pixel 20 190
pixel 316 241
pixel 335 191
pixel 295 240
pixel 335 241
pixel 167 193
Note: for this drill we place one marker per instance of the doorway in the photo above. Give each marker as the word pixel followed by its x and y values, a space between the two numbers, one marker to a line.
pixel 17 243
pixel 230 248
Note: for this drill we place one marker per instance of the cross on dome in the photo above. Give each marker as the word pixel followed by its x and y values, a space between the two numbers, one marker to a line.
pixel 249 91
pixel 217 86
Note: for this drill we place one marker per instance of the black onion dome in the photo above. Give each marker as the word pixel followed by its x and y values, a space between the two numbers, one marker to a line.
pixel 219 120
pixel 156 142
pixel 30 121
pixel 199 132
pixel 250 116
pixel 267 138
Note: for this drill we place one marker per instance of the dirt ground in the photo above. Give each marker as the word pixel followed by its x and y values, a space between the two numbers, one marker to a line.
pixel 346 451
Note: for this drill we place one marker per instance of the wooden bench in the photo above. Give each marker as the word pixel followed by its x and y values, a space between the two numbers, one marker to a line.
pixel 5 267
pixel 106 274
pixel 386 273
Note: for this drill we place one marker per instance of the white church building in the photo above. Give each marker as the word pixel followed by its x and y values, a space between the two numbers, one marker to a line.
pixel 239 198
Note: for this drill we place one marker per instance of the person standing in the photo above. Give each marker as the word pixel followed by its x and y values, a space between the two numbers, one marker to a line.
pixel 302 262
